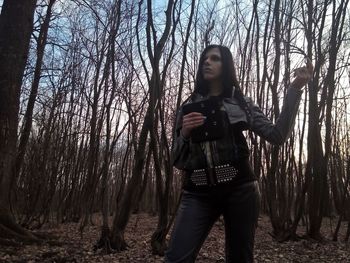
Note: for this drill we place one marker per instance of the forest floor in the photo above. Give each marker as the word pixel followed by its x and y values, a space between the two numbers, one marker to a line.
pixel 138 235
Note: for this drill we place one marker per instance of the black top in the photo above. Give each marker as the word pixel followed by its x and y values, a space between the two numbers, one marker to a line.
pixel 231 148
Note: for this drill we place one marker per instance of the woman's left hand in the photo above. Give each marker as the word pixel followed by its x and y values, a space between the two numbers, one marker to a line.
pixel 303 75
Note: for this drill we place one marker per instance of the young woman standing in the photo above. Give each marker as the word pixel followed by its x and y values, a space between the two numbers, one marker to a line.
pixel 218 179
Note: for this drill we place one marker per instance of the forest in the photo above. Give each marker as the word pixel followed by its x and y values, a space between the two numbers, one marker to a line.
pixel 89 92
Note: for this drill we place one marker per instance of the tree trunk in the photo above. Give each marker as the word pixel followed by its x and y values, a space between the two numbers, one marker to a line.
pixel 275 197
pixel 41 43
pixel 16 25
pixel 132 190
pixel 317 157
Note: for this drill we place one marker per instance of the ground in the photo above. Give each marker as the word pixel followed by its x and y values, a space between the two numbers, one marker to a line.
pixel 141 227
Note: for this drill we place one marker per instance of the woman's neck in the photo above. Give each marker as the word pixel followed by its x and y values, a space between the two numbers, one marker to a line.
pixel 215 88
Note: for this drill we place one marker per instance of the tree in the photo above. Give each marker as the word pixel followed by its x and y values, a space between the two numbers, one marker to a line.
pixel 14 45
pixel 318 156
pixel 133 188
pixel 41 43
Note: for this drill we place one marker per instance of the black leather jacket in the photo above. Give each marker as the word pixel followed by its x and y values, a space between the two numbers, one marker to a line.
pixel 184 152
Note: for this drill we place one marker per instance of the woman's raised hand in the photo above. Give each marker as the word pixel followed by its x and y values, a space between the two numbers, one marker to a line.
pixel 303 75
pixel 190 121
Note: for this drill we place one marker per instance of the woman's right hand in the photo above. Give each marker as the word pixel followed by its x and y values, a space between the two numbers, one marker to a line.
pixel 303 75
pixel 190 121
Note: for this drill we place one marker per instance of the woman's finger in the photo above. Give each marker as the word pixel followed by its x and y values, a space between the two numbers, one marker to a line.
pixel 303 72
pixel 193 120
pixel 193 123
pixel 299 71
pixel 193 116
pixel 309 65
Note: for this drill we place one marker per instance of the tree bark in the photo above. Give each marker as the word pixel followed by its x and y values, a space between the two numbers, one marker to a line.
pixel 41 43
pixel 132 190
pixel 16 25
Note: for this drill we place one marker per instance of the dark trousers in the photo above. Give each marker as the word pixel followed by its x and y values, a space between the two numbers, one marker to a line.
pixel 199 211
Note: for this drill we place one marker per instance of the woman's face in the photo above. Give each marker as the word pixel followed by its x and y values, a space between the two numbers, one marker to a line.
pixel 212 65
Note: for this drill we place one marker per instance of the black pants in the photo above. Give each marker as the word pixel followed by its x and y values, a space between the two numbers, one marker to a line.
pixel 199 211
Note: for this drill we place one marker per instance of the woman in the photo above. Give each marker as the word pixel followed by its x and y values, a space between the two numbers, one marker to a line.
pixel 218 179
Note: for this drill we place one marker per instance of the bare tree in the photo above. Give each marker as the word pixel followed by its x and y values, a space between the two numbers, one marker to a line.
pixel 41 43
pixel 14 44
pixel 316 169
pixel 133 188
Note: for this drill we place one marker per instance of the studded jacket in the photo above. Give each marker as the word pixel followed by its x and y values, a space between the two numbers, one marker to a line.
pixel 188 155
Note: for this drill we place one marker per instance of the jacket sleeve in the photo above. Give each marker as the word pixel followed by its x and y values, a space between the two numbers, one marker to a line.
pixel 279 132
pixel 181 148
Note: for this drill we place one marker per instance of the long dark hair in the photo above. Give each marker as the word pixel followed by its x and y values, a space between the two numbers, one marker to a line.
pixel 229 78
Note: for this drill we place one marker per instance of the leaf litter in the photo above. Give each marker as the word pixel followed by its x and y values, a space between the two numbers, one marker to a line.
pixel 77 248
